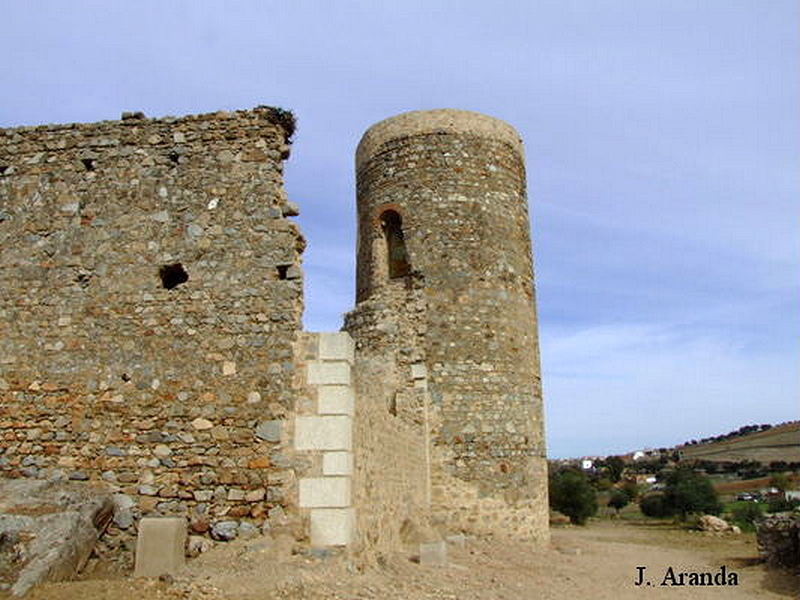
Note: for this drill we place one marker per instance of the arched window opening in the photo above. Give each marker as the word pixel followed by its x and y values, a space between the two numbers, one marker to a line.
pixel 392 225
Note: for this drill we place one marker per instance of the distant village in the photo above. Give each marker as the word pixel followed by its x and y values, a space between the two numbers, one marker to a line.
pixel 742 464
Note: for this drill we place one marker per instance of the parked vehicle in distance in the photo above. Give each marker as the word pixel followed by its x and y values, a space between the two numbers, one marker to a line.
pixel 749 497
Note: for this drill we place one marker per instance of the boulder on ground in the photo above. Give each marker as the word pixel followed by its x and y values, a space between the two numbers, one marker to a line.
pixel 714 524
pixel 198 545
pixel 48 530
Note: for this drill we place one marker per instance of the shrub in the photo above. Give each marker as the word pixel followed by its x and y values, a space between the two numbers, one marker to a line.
pixel 283 118
pixel 776 505
pixel 572 494
pixel 745 514
pixel 618 500
pixel 654 505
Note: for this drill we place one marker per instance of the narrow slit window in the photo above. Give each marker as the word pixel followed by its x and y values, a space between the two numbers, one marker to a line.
pixel 392 225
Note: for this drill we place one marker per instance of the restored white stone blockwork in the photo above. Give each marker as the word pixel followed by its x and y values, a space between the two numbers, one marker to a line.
pixel 330 373
pixel 333 432
pixel 335 400
pixel 328 437
pixel 325 492
pixel 337 463
pixel 336 346
pixel 332 526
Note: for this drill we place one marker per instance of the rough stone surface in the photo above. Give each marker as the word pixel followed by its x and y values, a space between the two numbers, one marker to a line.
pixel 197 545
pixel 269 431
pixel 225 531
pixel 53 525
pixel 779 540
pixel 144 309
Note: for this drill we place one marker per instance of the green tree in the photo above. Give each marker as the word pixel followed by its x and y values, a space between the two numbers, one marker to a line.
pixel 689 492
pixel 630 489
pixel 602 484
pixel 572 494
pixel 615 466
pixel 618 500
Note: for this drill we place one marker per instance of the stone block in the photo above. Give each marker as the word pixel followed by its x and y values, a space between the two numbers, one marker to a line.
pixel 337 463
pixel 335 400
pixel 323 433
pixel 336 345
pixel 325 492
pixel 328 373
pixel 433 553
pixel 160 546
pixel 332 526
pixel 269 430
pixel 419 371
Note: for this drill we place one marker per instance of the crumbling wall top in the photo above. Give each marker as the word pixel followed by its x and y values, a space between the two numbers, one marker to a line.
pixel 276 116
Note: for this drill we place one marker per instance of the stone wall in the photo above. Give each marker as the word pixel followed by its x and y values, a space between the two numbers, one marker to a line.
pixel 150 306
pixel 779 540
pixel 392 476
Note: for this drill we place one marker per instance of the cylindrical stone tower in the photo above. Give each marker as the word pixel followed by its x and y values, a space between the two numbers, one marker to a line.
pixel 442 205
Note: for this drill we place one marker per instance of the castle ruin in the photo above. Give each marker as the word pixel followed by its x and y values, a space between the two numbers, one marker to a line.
pixel 150 328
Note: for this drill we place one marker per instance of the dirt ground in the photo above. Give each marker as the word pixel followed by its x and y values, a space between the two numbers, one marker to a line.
pixel 597 561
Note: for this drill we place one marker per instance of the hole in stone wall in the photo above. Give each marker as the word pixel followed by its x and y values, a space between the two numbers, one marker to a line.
pixel 392 224
pixel 174 157
pixel 172 275
pixel 83 279
pixel 283 270
pixel 88 163
pixel 3 169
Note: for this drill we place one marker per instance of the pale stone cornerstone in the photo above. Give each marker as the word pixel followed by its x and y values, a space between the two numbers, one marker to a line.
pixel 151 295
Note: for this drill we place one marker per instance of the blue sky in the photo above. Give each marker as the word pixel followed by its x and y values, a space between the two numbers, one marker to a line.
pixel 662 140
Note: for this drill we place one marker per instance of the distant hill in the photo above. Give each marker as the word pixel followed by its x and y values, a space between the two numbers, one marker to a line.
pixel 779 443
